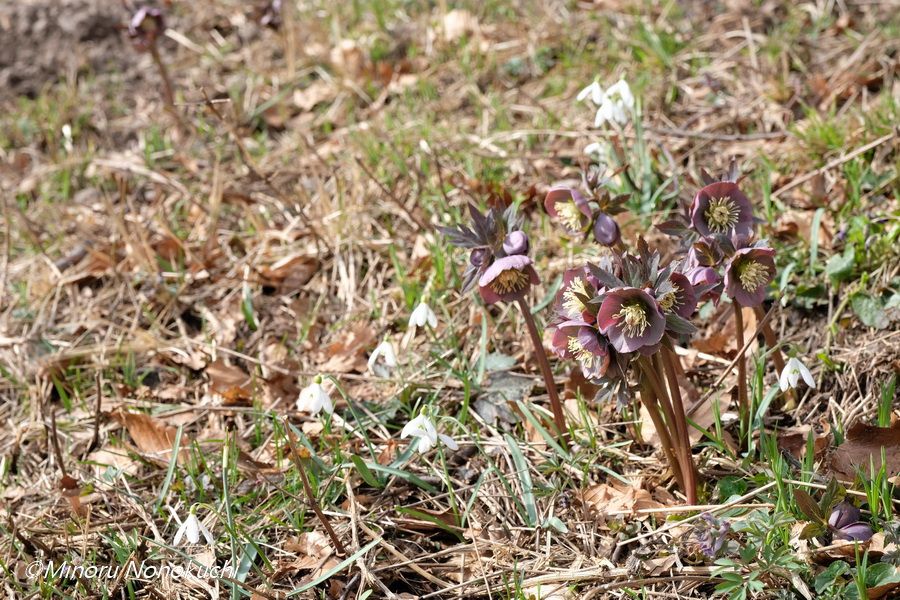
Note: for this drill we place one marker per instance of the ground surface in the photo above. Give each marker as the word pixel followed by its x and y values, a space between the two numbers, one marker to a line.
pixel 177 276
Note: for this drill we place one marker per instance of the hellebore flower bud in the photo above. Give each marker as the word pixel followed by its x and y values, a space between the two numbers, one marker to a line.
pixel 479 256
pixel 516 243
pixel 606 230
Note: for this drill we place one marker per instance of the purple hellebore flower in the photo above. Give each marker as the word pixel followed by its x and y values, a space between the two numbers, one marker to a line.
pixel 572 300
pixel 748 274
pixel 706 277
pixel 570 207
pixel 720 208
pixel 845 523
pixel 583 343
pixel 606 230
pixel 479 256
pixel 632 320
pixel 516 242
pixel 682 300
pixel 145 26
pixel 508 278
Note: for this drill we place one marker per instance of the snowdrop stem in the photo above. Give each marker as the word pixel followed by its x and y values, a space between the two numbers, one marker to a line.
pixel 307 489
pixel 451 494
pixel 777 356
pixel 556 406
pixel 743 401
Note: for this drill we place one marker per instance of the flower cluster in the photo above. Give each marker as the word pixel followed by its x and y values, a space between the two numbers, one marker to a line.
pixel 587 213
pixel 614 104
pixel 498 255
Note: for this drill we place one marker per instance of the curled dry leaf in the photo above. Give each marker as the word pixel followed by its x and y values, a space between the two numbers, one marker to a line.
pixel 154 439
pixel 863 447
pixel 348 353
pixel 617 500
pixel 290 273
pixel 313 552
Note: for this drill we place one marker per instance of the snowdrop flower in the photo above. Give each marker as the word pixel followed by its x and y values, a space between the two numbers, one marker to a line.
pixel 597 150
pixel 793 371
pixel 593 91
pixel 616 104
pixel 191 528
pixel 422 315
pixel 622 89
pixel 385 350
pixel 423 428
pixel 314 398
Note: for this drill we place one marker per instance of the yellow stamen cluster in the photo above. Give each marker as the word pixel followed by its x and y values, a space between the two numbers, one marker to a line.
pixel 569 215
pixel 670 301
pixel 510 280
pixel 721 214
pixel 634 314
pixel 752 275
pixel 580 353
pixel 572 304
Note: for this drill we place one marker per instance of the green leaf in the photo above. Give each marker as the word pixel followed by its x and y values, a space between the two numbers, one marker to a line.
pixel 555 523
pixel 524 478
pixel 365 472
pixel 829 576
pixel 840 266
pixel 731 486
pixel 808 506
pixel 869 310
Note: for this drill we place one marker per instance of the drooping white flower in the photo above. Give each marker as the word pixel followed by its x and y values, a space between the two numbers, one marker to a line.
pixel 623 91
pixel 313 398
pixel 791 374
pixel 422 315
pixel 616 105
pixel 385 351
pixel 593 91
pixel 191 529
pixel 422 428
pixel 597 150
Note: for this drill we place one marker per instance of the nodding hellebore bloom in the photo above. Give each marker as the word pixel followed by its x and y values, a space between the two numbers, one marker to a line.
pixel 680 299
pixel 632 320
pixel 721 208
pixel 146 25
pixel 584 344
pixel 573 300
pixel 508 278
pixel 571 208
pixel 748 274
pixel 845 523
pixel 708 278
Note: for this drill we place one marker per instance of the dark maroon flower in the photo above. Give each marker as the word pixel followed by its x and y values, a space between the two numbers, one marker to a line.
pixel 606 230
pixel 632 320
pixel 748 274
pixel 573 299
pixel 508 278
pixel 570 207
pixel 146 25
pixel 720 208
pixel 681 299
pixel 585 344
pixel 516 242
pixel 845 523
pixel 706 278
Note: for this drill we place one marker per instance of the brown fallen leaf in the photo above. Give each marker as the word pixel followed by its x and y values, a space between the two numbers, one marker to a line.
pixel 863 446
pixel 348 353
pixel 617 500
pixel 793 440
pixel 230 382
pixel 313 552
pixel 154 440
pixel 290 273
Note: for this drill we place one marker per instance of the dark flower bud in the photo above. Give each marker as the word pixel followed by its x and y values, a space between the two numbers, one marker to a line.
pixel 146 25
pixel 606 230
pixel 479 256
pixel 515 243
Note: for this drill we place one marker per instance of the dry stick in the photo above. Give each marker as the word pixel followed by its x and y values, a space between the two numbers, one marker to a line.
pixel 95 438
pixel 668 357
pixel 558 416
pixel 648 398
pixel 672 431
pixel 307 489
pixel 743 401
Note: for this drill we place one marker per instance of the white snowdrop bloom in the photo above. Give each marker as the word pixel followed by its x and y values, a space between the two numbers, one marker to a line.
pixel 313 398
pixel 422 315
pixel 191 529
pixel 617 104
pixel 422 428
pixel 596 150
pixel 593 91
pixel 385 351
pixel 793 371
pixel 623 90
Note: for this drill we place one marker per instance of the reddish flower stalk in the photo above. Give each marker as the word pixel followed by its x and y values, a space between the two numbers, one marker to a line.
pixel 668 360
pixel 743 401
pixel 558 416
pixel 650 402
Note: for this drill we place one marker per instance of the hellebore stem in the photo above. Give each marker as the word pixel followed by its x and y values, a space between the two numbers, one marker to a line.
pixel 743 402
pixel 680 448
pixel 650 402
pixel 558 417
pixel 668 360
pixel 168 94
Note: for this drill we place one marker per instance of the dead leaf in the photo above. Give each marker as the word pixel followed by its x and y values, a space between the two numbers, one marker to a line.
pixel 720 337
pixel 348 353
pixel 315 93
pixel 290 273
pixel 154 439
pixel 313 552
pixel 862 448
pixel 230 382
pixel 617 500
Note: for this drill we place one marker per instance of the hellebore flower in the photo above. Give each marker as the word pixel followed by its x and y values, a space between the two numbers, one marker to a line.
pixel 573 299
pixel 844 522
pixel 681 299
pixel 146 25
pixel 591 350
pixel 385 351
pixel 570 207
pixel 606 230
pixel 191 529
pixel 427 436
pixel 748 274
pixel 720 208
pixel 313 398
pixel 421 316
pixel 632 320
pixel 516 242
pixel 706 277
pixel 507 278
pixel 791 374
